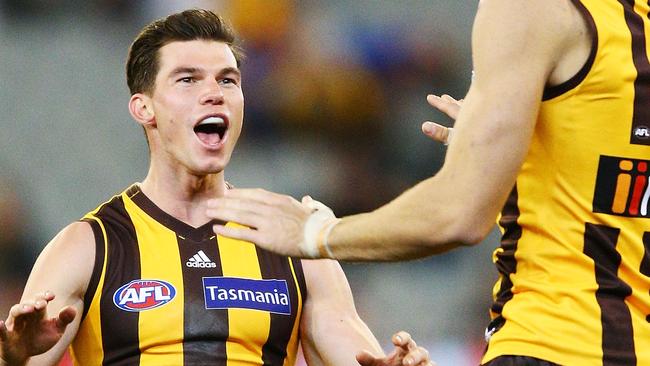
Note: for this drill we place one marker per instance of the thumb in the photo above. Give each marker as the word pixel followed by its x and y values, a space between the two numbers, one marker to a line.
pixel 66 316
pixel 365 358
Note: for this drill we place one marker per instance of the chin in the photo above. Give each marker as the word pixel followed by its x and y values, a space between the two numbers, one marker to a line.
pixel 213 168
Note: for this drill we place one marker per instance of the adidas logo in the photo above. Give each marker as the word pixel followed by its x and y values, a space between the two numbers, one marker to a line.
pixel 200 260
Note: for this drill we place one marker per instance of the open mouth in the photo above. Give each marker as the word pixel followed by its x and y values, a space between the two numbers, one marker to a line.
pixel 211 130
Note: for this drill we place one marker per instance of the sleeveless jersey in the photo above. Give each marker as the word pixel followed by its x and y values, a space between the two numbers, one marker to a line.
pixel 574 260
pixel 165 293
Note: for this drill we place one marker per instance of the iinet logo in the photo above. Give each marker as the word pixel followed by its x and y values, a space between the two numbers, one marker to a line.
pixel 623 187
pixel 200 260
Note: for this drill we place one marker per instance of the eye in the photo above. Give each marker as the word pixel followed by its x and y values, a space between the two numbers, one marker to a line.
pixel 227 81
pixel 186 79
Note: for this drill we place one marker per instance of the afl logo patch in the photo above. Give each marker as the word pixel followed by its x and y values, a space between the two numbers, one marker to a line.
pixel 642 132
pixel 141 295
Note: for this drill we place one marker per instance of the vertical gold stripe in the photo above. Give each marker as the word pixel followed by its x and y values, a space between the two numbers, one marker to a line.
pixel 248 329
pixel 160 329
pixel 292 347
pixel 87 347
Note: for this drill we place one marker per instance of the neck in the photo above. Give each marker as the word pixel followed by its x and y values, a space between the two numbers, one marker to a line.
pixel 183 195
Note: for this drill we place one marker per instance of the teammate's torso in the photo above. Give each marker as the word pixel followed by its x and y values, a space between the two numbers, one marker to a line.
pixel 164 293
pixel 575 257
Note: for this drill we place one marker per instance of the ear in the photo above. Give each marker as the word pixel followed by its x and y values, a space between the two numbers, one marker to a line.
pixel 141 109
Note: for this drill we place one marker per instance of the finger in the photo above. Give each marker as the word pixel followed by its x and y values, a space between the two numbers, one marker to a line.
pixel 401 339
pixel 66 316
pixel 241 204
pixel 365 358
pixel 449 99
pixel 256 195
pixel 445 104
pixel 416 356
pixel 47 295
pixel 436 132
pixel 41 300
pixel 21 309
pixel 244 216
pixel 407 340
pixel 237 233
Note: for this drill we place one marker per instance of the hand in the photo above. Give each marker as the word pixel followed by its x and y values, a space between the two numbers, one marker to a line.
pixel 406 353
pixel 27 332
pixel 450 107
pixel 274 221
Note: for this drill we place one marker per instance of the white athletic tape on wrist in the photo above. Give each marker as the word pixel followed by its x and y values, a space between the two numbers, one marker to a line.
pixel 322 244
pixel 318 221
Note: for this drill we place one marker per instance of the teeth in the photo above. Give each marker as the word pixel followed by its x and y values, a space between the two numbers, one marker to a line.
pixel 212 121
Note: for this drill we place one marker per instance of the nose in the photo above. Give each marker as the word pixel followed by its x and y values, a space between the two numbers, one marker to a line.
pixel 213 94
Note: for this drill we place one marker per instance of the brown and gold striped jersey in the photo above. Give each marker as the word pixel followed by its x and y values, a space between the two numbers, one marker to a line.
pixel 574 260
pixel 165 293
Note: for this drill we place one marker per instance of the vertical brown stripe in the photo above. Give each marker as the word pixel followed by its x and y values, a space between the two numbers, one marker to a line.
pixel 97 267
pixel 120 338
pixel 274 266
pixel 506 261
pixel 641 116
pixel 206 331
pixel 645 262
pixel 618 338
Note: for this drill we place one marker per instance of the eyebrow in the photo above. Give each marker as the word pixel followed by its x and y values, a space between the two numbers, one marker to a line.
pixel 194 70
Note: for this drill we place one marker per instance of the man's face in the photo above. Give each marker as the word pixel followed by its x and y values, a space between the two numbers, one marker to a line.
pixel 198 105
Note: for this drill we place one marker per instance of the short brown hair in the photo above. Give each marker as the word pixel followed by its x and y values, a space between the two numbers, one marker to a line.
pixel 142 63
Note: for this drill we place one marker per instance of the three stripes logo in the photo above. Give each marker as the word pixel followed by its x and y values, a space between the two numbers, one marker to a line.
pixel 200 260
pixel 622 187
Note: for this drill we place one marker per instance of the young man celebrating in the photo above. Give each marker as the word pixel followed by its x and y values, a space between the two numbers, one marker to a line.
pixel 143 280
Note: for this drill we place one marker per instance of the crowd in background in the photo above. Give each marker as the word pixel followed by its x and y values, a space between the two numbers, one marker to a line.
pixel 335 94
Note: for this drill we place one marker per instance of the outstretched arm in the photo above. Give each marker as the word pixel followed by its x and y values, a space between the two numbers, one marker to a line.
pixel 331 331
pixel 40 328
pixel 516 47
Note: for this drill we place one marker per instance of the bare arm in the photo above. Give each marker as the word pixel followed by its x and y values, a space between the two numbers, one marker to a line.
pixel 331 331
pixel 515 47
pixel 39 329
pixel 518 48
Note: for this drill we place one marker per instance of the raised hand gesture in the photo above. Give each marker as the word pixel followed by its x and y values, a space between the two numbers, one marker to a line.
pixel 448 106
pixel 406 353
pixel 28 332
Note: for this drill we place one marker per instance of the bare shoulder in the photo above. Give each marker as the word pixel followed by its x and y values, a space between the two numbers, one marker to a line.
pixel 66 264
pixel 546 39
pixel 77 240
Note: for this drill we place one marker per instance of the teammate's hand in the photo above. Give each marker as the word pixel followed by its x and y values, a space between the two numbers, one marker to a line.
pixel 448 106
pixel 27 331
pixel 274 221
pixel 406 353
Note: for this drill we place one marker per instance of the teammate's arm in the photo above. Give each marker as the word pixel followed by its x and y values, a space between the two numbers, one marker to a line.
pixel 331 331
pixel 40 328
pixel 515 47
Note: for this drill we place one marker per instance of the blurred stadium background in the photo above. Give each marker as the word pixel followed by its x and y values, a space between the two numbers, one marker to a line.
pixel 335 94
